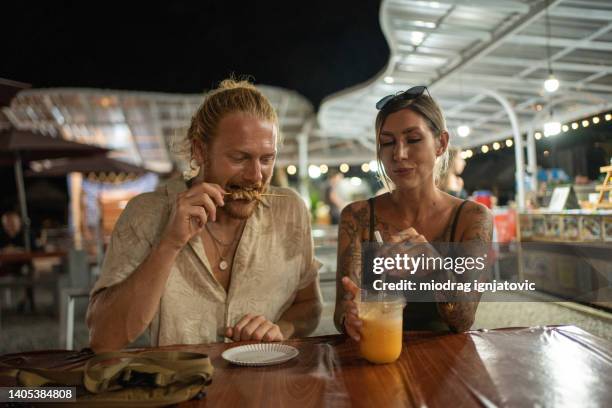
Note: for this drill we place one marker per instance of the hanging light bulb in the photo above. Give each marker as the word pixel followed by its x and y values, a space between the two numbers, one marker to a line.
pixel 551 84
pixel 463 130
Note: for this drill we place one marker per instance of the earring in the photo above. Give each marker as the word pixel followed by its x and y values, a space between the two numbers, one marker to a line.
pixel 194 169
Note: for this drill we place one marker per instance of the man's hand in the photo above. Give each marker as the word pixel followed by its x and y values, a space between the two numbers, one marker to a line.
pixel 190 212
pixel 254 327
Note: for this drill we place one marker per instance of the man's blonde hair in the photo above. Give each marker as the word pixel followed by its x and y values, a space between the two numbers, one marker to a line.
pixel 230 97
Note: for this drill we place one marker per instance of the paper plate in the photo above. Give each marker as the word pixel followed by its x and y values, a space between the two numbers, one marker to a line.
pixel 261 354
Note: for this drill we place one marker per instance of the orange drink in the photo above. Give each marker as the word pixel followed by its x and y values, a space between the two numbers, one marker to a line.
pixel 381 333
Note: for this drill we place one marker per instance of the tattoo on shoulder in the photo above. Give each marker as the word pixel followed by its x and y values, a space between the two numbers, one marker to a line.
pixel 481 224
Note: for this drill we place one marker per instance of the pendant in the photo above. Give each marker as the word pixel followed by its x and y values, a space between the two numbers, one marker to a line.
pixel 223 265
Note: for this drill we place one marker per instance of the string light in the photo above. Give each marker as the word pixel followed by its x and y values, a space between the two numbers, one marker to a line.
pixel 575 125
pixel 585 123
pixel 324 169
pixel 552 129
pixel 608 117
pixel 564 128
pixel 373 166
pixel 314 171
pixel 509 142
pixel 484 148
pixel 365 167
pixel 496 146
pixel 537 135
pixel 596 120
pixel 291 170
pixel 344 168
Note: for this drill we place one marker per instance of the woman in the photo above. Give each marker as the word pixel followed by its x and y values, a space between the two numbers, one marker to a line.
pixel 412 144
pixel 452 182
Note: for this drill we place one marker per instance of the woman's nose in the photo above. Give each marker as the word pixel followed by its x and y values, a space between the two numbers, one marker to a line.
pixel 400 151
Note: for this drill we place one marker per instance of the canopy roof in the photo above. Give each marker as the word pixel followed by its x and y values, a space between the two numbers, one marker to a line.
pixel 142 127
pixel 461 48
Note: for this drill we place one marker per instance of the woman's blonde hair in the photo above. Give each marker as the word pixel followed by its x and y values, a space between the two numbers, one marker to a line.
pixel 453 153
pixel 230 96
pixel 431 112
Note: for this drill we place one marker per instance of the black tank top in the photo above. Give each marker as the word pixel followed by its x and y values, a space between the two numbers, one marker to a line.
pixel 421 315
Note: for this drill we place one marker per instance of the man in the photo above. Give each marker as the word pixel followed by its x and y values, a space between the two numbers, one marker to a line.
pixel 224 257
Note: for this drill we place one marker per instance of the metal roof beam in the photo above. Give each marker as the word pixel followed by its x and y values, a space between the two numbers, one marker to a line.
pixel 531 63
pixel 586 13
pixel 406 28
pixel 488 5
pixel 481 50
pixel 560 42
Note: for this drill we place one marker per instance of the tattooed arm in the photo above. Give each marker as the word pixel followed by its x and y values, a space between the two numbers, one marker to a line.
pixel 352 221
pixel 476 222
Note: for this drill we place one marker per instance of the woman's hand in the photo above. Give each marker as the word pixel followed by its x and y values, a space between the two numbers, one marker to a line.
pixel 408 242
pixel 352 322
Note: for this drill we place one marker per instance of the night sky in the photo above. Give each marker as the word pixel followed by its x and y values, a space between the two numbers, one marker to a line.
pixel 314 47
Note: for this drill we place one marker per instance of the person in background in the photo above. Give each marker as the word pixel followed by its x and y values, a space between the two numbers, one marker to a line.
pixel 332 198
pixel 411 148
pixel 221 257
pixel 11 236
pixel 451 182
pixel 12 241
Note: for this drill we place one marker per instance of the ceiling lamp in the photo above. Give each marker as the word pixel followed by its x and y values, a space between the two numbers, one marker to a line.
pixel 552 83
pixel 463 131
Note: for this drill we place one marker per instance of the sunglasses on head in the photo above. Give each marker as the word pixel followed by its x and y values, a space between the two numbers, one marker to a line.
pixel 406 95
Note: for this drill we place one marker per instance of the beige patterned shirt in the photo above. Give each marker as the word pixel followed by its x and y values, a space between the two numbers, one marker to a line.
pixel 274 259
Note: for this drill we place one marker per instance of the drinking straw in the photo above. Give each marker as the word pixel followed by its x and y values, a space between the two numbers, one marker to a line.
pixel 380 242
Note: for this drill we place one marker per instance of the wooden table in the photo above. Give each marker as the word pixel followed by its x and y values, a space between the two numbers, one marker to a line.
pixel 542 366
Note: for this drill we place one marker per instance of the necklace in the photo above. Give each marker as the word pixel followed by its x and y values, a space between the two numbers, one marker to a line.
pixel 217 239
pixel 223 263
